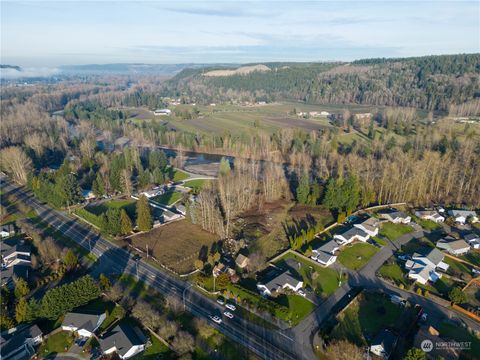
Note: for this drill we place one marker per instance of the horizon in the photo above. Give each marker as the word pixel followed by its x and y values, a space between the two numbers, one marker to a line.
pixel 126 32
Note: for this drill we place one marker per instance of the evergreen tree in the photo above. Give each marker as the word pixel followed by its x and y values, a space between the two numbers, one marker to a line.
pixel 158 177
pixel 67 190
pixel 224 167
pixel 303 189
pixel 21 288
pixel 371 130
pixel 21 310
pixel 70 259
pixel 144 217
pixel 113 222
pixel 125 223
pixel 98 188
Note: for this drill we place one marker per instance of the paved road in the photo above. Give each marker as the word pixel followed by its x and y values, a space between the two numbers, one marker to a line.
pixel 111 259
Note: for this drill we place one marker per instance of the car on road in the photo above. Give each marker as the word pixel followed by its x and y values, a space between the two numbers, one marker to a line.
pixel 230 307
pixel 228 314
pixel 404 257
pixel 221 300
pixel 302 292
pixel 216 319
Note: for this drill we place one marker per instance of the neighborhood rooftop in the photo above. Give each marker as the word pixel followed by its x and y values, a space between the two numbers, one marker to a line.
pixel 122 337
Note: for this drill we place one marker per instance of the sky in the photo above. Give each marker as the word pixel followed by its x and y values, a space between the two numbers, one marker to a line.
pixel 48 34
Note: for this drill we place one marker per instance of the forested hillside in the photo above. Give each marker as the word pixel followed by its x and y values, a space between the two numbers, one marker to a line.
pixel 432 82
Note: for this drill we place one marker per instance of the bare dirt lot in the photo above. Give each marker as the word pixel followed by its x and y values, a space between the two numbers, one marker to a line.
pixel 176 245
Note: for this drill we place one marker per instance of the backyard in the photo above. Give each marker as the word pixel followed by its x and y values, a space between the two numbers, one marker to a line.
pixel 57 343
pixel 458 333
pixel 393 231
pixel 357 256
pixel 168 198
pixel 393 271
pixel 367 315
pixel 195 185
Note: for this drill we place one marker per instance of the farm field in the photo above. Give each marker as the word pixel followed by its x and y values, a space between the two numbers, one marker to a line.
pixel 164 241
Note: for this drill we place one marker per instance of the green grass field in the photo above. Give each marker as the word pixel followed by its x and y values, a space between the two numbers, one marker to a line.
pixel 393 272
pixel 441 287
pixel 196 185
pixel 98 209
pixel 324 283
pixel 298 307
pixel 394 231
pixel 157 350
pixel 357 256
pixel 57 343
pixel 168 198
pixel 365 317
pixel 472 257
pixel 457 266
pixel 460 334
pixel 179 175
pixel 426 224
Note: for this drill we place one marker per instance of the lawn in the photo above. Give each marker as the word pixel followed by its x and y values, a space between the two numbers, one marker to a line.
pixel 168 198
pixel 427 224
pixel 457 266
pixel 57 343
pixel 381 241
pixel 141 291
pixel 157 350
pixel 472 257
pixel 165 241
pixel 179 175
pixel 195 185
pixel 441 287
pixel 98 209
pixel 357 256
pixel 365 317
pixel 325 282
pixel 393 272
pixel 394 231
pixel 460 334
pixel 298 307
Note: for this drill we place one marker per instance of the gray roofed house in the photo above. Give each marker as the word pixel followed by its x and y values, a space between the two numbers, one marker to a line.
pixel 434 255
pixel 326 259
pixel 473 240
pixel 424 264
pixel 12 247
pixel 18 343
pixel 395 216
pixel 370 225
pixel 329 247
pixel 461 216
pixel 351 234
pixel 383 344
pixel 283 280
pixel 123 339
pixel 85 324
pixel 453 246
pixel 9 274
pixel 7 230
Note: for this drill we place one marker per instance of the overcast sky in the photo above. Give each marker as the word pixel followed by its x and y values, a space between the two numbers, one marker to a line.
pixel 42 33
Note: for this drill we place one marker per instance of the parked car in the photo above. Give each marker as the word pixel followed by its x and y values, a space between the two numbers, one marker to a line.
pixel 221 300
pixel 216 319
pixel 228 314
pixel 230 307
pixel 302 292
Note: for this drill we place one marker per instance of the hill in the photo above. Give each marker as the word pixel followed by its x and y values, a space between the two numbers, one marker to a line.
pixel 243 70
pixel 430 82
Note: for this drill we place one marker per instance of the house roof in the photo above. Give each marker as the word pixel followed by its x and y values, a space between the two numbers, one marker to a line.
pixel 241 260
pixel 8 228
pixel 370 223
pixel 452 244
pixel 432 254
pixel 352 232
pixel 10 246
pixel 328 247
pixel 433 213
pixel 465 213
pixel 471 237
pixel 324 257
pixel 19 271
pixel 86 321
pixel 281 280
pixel 386 339
pixel 122 337
pixel 14 338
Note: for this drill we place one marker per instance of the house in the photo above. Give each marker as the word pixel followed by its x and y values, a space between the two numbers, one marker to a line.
pixel 124 340
pixel 284 280
pixel 218 269
pixel 162 112
pixel 85 324
pixel 167 216
pixel 15 252
pixel 325 254
pixel 19 343
pixel 242 261
pixel 430 215
pixel 395 216
pixel 473 240
pixel 121 143
pixel 383 344
pixel 424 265
pixel 88 194
pixel 369 225
pixel 453 246
pixel 7 231
pixel 350 235
pixel 462 216
pixel 9 274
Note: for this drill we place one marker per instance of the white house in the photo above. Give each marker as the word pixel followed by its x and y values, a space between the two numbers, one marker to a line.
pixel 396 216
pixel 383 344
pixel 430 215
pixel 461 216
pixel 84 324
pixel 369 225
pixel 7 231
pixel 15 252
pixel 325 254
pixel 162 112
pixel 424 265
pixel 453 246
pixel 20 342
pixel 284 280
pixel 124 340
pixel 350 235
pixel 473 240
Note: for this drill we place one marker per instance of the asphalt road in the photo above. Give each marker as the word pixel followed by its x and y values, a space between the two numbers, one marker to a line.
pixel 111 259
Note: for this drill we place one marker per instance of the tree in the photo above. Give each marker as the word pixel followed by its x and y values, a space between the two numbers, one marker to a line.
pixel 303 189
pixel 6 322
pixel 21 310
pixel 67 190
pixel 21 288
pixel 167 329
pixel 343 350
pixel 144 313
pixel 15 162
pixel 144 217
pixel 183 343
pixel 115 292
pixel 98 187
pixel 126 226
pixel 415 354
pixel 203 328
pixel 457 296
pixel 104 282
pixel 224 167
pixel 70 260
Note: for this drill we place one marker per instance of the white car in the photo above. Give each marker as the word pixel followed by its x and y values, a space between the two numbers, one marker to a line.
pixel 221 300
pixel 216 319
pixel 228 314
pixel 231 307
pixel 302 292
